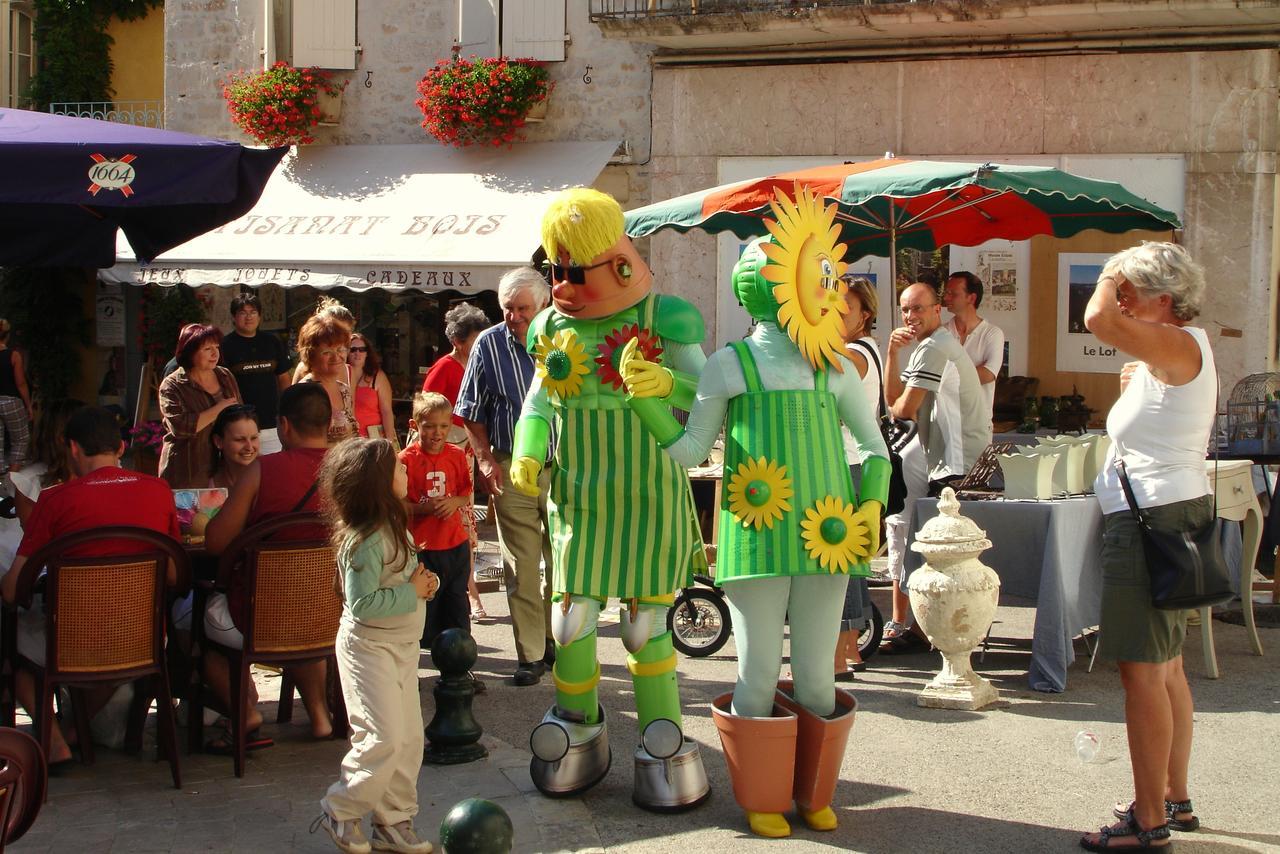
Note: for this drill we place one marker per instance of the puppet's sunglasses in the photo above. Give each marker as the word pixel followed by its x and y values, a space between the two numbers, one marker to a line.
pixel 571 273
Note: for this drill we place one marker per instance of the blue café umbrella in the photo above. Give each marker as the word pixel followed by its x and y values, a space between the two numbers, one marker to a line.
pixel 68 184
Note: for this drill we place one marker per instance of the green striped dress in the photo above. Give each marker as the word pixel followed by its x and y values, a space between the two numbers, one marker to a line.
pixel 796 428
pixel 621 510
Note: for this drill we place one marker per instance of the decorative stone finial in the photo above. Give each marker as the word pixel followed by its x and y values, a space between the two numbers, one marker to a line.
pixel 950 537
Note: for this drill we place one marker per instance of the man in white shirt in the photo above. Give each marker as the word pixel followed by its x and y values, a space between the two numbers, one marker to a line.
pixel 982 340
pixel 940 391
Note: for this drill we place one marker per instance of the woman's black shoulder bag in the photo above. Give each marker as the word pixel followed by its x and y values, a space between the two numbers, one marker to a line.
pixel 1187 568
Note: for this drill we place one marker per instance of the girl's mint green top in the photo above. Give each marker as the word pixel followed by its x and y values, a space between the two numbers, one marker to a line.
pixel 380 602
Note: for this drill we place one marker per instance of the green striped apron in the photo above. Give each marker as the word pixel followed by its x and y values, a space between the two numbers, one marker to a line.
pixel 796 428
pixel 621 510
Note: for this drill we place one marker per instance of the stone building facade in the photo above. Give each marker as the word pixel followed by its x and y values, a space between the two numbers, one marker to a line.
pixel 690 86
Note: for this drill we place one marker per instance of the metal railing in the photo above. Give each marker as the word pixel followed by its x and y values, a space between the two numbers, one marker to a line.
pixel 665 8
pixel 145 113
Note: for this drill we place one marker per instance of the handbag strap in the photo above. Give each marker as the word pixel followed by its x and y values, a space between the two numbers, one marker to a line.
pixel 306 496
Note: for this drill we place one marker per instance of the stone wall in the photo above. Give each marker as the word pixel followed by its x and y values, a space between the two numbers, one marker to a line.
pixel 1218 109
pixel 208 39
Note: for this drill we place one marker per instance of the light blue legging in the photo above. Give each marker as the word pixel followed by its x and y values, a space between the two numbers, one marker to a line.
pixel 759 608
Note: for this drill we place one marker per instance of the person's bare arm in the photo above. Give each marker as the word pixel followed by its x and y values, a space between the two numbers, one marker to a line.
pixel 20 380
pixel 892 379
pixel 985 376
pixel 478 433
pixel 383 387
pixel 1171 354
pixel 23 505
pixel 908 403
pixel 283 381
pixel 9 584
pixel 231 518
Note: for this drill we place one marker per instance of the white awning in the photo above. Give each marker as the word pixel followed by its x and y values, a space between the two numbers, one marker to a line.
pixel 426 217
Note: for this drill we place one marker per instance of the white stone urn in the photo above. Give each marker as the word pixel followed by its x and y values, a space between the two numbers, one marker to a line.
pixel 954 598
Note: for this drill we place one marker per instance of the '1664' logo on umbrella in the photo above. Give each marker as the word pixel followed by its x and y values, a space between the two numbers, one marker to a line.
pixel 108 174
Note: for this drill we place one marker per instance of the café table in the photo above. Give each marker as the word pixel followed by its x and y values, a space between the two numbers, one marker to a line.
pixel 1045 551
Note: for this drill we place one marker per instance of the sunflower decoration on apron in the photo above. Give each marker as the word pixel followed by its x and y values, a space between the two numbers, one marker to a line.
pixel 805 271
pixel 561 363
pixel 831 535
pixel 759 492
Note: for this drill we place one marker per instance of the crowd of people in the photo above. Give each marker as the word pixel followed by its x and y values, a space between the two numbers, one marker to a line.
pixel 321 436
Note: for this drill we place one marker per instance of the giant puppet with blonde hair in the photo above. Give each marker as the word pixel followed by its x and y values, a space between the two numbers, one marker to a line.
pixel 621 511
pixel 792 528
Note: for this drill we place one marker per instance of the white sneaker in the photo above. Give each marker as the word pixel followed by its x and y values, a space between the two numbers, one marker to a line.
pixel 347 835
pixel 399 837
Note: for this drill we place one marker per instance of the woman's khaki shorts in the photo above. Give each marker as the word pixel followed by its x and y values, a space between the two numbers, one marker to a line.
pixel 1132 629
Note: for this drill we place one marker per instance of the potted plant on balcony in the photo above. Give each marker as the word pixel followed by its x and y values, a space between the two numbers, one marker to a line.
pixel 481 101
pixel 280 105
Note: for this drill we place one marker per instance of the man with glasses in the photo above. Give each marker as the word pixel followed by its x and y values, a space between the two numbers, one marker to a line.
pixel 939 390
pixel 494 385
pixel 260 364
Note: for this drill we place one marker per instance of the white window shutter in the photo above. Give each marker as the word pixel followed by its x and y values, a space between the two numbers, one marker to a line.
pixel 533 29
pixel 478 27
pixel 324 33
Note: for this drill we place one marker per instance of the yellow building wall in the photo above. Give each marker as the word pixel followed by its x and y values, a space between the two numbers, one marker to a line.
pixel 137 57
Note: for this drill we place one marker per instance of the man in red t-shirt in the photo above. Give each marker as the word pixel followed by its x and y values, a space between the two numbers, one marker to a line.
pixel 272 485
pixel 100 494
pixel 439 493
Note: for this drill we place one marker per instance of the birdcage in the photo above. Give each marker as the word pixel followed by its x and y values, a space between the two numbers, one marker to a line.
pixel 1253 415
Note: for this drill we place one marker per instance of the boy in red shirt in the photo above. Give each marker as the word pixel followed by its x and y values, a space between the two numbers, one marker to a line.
pixel 439 492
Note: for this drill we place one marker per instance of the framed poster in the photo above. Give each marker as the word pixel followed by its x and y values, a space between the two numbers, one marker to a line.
pixel 1078 349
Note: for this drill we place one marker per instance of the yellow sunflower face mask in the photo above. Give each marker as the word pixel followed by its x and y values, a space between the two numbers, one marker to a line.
pixel 805 265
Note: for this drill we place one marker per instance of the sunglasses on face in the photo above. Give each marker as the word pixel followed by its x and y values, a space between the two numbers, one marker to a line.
pixel 571 273
pixel 358 350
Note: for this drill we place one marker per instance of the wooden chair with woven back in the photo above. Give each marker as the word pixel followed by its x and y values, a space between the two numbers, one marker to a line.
pixel 288 570
pixel 24 777
pixel 104 625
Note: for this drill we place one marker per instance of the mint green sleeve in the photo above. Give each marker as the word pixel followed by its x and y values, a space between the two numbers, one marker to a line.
pixel 685 361
pixel 361 577
pixel 857 415
pixel 533 431
pixel 706 416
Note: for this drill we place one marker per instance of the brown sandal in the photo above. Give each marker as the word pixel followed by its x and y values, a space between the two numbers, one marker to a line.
pixel 1128 827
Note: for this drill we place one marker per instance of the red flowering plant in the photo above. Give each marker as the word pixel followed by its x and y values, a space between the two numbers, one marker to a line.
pixel 480 101
pixel 278 106
pixel 148 434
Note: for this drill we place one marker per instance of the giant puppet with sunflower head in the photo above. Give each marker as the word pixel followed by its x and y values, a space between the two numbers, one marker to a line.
pixel 792 529
pixel 620 511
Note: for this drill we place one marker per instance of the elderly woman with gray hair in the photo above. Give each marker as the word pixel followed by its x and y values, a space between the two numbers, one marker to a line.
pixel 1143 304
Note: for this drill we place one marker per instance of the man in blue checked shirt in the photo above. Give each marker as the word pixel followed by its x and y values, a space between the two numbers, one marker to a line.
pixel 497 378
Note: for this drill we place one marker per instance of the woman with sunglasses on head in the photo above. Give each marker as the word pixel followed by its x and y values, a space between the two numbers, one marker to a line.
pixel 236 444
pixel 322 350
pixel 373 392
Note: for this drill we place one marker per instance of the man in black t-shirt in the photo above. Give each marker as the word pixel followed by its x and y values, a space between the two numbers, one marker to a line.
pixel 260 363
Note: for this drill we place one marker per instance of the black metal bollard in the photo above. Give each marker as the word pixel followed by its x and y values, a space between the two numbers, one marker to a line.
pixel 476 826
pixel 453 735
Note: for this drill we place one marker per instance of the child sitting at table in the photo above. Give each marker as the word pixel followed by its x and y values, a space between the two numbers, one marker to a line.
pixel 382 587
pixel 439 492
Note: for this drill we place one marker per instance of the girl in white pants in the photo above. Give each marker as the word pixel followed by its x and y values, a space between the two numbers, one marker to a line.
pixel 383 588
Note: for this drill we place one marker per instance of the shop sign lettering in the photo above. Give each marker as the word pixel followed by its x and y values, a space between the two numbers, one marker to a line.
pixel 178 275
pixel 358 225
pixel 420 278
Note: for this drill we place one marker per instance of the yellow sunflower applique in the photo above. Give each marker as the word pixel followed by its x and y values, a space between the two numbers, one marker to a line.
pixel 806 265
pixel 832 535
pixel 759 490
pixel 561 363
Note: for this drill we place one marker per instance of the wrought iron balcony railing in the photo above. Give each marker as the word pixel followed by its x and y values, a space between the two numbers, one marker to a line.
pixel 145 113
pixel 665 8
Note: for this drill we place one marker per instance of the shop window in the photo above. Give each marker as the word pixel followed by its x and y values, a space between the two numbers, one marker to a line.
pixel 322 33
pixel 531 29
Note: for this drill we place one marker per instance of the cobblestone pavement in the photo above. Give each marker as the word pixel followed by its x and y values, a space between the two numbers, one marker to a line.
pixel 913 780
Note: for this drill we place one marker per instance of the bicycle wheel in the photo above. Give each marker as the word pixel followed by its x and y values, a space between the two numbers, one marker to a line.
pixel 869 637
pixel 699 622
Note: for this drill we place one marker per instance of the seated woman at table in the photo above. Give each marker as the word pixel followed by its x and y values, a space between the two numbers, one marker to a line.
pixel 373 391
pixel 235 444
pixel 190 400
pixel 322 350
pixel 1143 305
pixel 50 463
pixel 330 309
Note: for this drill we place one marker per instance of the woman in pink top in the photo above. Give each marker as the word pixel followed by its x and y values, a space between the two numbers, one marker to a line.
pixel 373 390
